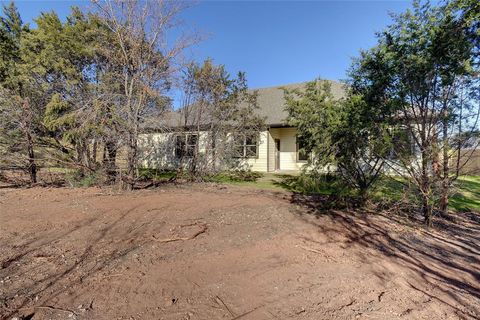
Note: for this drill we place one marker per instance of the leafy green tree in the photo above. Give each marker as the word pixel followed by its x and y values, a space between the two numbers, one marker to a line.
pixel 64 56
pixel 11 28
pixel 51 88
pixel 468 12
pixel 341 134
pixel 421 67
pixel 19 107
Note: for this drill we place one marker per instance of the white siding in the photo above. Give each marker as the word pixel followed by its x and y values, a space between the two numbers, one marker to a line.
pixel 158 150
pixel 288 149
pixel 271 151
pixel 261 162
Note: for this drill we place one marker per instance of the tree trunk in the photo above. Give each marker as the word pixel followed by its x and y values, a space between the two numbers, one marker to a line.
pixel 427 211
pixel 446 171
pixel 131 162
pixel 88 155
pixel 94 152
pixel 109 159
pixel 32 166
pixel 426 187
pixel 26 125
pixel 444 201
pixel 80 156
pixel 435 156
pixel 363 195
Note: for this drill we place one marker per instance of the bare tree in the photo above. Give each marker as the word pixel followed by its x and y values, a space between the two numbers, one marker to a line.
pixel 144 63
pixel 220 126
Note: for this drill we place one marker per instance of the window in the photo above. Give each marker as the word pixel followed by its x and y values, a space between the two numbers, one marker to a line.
pixel 402 145
pixel 185 145
pixel 180 146
pixel 245 146
pixel 191 145
pixel 302 154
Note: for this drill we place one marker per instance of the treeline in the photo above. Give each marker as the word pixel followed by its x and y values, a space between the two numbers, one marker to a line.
pixel 412 107
pixel 87 86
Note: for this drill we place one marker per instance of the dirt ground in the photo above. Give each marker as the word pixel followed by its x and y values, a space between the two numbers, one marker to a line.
pixel 218 252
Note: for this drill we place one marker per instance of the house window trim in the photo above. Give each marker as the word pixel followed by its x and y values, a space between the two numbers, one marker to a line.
pixel 186 146
pixel 245 146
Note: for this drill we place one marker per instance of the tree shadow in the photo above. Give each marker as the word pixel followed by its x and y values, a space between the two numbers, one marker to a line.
pixel 16 179
pixel 67 267
pixel 445 258
pixel 324 185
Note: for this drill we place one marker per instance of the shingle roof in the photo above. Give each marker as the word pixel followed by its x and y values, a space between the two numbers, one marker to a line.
pixel 271 100
pixel 271 103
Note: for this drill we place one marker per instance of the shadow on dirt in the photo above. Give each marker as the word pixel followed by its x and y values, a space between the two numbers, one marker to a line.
pixel 446 257
pixel 46 272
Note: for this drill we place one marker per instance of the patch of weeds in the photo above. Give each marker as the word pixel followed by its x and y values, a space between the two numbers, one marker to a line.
pixel 155 174
pixel 322 184
pixel 79 179
pixel 243 175
pixel 235 176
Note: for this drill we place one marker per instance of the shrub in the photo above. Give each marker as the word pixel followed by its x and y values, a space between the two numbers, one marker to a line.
pixel 79 179
pixel 155 174
pixel 235 176
pixel 244 175
pixel 313 183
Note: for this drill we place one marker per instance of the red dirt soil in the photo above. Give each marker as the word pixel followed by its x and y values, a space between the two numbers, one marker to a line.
pixel 217 252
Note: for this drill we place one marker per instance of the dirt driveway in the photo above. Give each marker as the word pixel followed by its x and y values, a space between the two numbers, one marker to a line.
pixel 216 252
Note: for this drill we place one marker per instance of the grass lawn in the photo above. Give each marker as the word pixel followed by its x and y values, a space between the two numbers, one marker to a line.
pixel 466 196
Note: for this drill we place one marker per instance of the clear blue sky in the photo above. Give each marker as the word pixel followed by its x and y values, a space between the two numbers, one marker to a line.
pixel 274 42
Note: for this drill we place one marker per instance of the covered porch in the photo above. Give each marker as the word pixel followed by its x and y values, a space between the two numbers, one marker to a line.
pixel 283 155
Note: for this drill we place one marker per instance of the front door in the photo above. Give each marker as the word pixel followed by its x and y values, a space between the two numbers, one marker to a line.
pixel 277 154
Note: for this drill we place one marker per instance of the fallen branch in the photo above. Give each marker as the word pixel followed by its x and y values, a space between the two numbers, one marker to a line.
pixel 49 308
pixel 151 184
pixel 380 296
pixel 247 313
pixel 196 234
pixel 312 250
pixel 226 307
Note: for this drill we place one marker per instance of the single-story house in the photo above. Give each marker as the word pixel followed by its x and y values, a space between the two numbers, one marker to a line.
pixel 276 149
